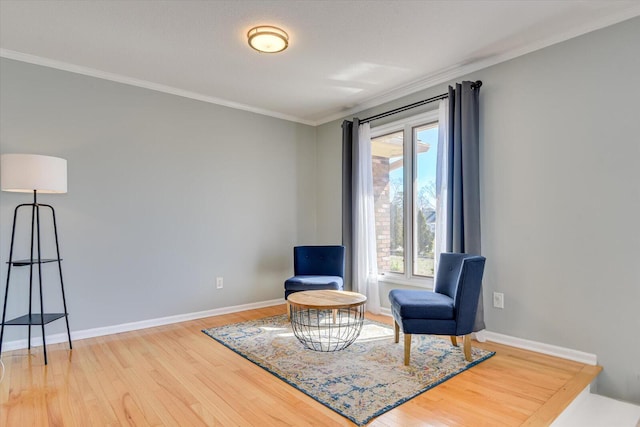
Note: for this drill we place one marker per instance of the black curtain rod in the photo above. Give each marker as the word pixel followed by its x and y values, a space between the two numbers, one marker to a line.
pixel 475 85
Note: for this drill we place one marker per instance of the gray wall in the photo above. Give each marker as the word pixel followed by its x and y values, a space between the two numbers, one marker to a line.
pixel 560 183
pixel 165 193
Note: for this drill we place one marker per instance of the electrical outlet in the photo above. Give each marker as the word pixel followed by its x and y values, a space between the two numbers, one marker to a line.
pixel 219 283
pixel 498 300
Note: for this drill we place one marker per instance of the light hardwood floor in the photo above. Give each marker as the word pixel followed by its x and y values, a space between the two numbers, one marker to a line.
pixel 177 376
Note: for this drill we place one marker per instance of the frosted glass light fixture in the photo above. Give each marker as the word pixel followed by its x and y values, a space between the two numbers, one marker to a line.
pixel 268 39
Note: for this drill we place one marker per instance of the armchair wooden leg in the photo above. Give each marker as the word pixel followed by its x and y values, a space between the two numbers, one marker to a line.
pixel 396 329
pixel 335 315
pixel 467 347
pixel 407 348
pixel 454 340
pixel 288 310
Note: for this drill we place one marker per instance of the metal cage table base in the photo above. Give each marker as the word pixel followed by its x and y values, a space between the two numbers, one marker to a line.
pixel 327 324
pixel 327 330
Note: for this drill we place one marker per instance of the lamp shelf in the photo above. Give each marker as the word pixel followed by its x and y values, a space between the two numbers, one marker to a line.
pixel 35 319
pixel 25 262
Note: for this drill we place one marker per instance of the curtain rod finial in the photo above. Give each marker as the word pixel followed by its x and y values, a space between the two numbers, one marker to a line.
pixel 477 84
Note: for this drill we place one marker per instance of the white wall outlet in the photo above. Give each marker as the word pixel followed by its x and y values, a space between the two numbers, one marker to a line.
pixel 219 283
pixel 498 300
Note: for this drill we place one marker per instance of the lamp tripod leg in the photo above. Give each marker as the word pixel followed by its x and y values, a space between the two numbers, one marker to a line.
pixel 33 224
pixel 6 292
pixel 44 341
pixel 64 299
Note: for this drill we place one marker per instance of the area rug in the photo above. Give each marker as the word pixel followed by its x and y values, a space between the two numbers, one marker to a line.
pixel 360 382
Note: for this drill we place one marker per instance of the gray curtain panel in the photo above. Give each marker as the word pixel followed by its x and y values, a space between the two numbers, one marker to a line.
pixel 347 198
pixel 463 206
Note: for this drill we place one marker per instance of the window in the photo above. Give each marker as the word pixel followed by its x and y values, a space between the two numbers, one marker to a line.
pixel 404 157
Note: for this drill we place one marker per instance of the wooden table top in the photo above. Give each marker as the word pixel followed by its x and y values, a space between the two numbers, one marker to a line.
pixel 326 299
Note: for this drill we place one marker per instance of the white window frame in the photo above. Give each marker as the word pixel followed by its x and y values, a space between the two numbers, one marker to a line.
pixel 409 164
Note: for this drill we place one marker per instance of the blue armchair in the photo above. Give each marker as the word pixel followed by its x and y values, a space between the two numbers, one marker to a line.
pixel 449 310
pixel 315 268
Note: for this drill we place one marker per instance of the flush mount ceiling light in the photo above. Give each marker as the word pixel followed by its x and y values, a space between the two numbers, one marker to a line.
pixel 268 39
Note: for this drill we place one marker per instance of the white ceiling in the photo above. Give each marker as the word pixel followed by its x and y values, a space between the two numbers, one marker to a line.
pixel 343 56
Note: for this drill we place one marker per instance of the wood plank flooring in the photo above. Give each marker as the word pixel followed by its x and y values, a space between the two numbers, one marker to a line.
pixel 177 376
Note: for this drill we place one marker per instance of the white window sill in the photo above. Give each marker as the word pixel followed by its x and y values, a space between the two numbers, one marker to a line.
pixel 423 283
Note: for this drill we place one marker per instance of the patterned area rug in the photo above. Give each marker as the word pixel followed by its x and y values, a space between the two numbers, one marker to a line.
pixel 360 382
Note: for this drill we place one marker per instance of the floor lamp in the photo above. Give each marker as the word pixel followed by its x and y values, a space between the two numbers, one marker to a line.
pixel 30 173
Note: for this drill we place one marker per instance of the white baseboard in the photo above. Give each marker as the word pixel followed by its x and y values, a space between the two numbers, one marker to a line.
pixel 134 326
pixel 538 347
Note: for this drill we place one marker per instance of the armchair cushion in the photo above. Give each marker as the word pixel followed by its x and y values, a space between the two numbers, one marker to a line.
pixel 310 283
pixel 411 304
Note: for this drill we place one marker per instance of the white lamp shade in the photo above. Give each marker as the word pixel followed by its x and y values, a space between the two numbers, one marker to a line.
pixel 25 173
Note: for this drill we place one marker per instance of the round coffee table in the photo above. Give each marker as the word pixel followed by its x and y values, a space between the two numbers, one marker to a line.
pixel 326 320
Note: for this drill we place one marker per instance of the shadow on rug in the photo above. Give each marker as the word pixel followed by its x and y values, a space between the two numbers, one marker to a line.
pixel 360 382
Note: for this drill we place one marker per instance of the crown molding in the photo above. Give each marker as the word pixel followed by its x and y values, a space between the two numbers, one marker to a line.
pixel 92 72
pixel 460 70
pixel 393 94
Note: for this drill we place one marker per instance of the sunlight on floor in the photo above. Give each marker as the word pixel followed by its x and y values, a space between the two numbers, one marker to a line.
pixel 370 332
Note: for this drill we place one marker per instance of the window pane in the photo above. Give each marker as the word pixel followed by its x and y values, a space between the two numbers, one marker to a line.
pixel 424 212
pixel 388 190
